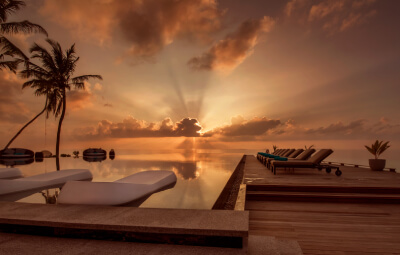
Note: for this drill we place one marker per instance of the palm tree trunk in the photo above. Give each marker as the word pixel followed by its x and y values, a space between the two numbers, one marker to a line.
pixel 27 124
pixel 59 130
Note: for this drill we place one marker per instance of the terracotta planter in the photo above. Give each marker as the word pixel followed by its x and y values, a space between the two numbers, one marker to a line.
pixel 377 164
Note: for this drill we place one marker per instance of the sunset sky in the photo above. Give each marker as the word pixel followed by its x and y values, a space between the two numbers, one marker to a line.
pixel 232 73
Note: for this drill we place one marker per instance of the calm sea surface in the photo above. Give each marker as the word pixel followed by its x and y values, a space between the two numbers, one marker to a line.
pixel 202 174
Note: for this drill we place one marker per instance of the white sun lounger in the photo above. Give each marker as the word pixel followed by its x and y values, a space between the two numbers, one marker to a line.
pixel 10 173
pixel 12 190
pixel 135 187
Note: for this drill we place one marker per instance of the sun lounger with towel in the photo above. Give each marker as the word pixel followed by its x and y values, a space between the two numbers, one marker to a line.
pixel 124 191
pixel 302 156
pixel 312 162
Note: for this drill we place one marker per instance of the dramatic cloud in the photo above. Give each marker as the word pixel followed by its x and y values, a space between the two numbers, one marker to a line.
pixel 131 127
pixel 152 24
pixel 339 128
pixel 148 26
pixel 357 129
pixel 332 16
pixel 78 99
pixel 234 48
pixel 11 109
pixel 241 127
pixel 88 20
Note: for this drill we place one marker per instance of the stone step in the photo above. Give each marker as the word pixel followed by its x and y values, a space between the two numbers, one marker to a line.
pixel 323 197
pixel 321 188
pixel 215 228
pixel 269 245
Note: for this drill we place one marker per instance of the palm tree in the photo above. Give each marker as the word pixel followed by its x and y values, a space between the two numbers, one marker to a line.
pixel 7 48
pixel 40 90
pixel 55 71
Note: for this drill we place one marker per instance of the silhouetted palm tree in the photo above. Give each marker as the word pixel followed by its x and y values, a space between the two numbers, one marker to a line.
pixel 7 48
pixel 55 71
pixel 41 89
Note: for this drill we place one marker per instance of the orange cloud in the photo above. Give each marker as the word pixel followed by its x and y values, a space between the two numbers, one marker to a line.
pixel 11 109
pixel 131 127
pixel 78 99
pixel 148 26
pixel 357 129
pixel 231 51
pixel 331 16
pixel 152 24
pixel 85 19
pixel 240 127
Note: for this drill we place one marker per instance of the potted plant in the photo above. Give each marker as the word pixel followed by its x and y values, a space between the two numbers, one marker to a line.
pixel 377 149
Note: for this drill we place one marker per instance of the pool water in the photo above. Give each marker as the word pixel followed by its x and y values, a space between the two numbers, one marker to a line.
pixel 201 175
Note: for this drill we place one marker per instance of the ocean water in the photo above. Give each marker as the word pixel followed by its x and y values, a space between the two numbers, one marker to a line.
pixel 362 156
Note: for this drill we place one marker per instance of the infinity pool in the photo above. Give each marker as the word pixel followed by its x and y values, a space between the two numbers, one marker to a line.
pixel 201 174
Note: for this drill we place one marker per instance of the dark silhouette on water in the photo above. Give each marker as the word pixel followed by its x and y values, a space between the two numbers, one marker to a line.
pixel 111 155
pixel 56 71
pixel 94 152
pixel 16 153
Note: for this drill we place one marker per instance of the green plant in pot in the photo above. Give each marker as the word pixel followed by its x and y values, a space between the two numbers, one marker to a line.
pixel 377 149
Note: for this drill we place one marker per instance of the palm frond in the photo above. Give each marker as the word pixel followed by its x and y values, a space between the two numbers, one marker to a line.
pixel 45 57
pixel 25 27
pixel 11 65
pixel 9 49
pixel 83 78
pixel 8 7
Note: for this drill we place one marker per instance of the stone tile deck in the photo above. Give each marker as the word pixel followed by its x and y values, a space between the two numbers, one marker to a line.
pixel 174 226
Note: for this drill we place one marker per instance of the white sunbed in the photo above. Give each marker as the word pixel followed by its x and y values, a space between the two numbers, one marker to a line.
pixel 12 190
pixel 10 173
pixel 136 187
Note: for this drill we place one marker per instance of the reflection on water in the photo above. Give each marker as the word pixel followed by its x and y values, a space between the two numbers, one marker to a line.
pixel 16 162
pixel 94 158
pixel 50 196
pixel 201 174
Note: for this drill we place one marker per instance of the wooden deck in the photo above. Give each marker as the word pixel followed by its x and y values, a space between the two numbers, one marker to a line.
pixel 324 213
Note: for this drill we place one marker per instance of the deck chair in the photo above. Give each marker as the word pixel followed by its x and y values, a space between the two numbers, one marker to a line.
pixel 131 190
pixel 10 173
pixel 281 153
pixel 313 162
pixel 282 156
pixel 12 190
pixel 295 153
pixel 302 156
pixel 262 155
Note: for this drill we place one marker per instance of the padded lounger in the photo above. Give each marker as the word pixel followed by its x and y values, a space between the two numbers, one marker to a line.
pixel 312 162
pixel 10 173
pixel 11 190
pixel 124 191
pixel 302 156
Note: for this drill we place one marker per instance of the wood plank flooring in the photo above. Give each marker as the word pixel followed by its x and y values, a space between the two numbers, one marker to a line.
pixel 326 227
